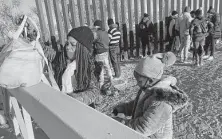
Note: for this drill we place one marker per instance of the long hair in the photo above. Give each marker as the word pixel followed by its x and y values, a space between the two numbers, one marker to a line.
pixel 83 68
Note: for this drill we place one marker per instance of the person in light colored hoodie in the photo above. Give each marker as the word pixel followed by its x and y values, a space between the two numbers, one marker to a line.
pixel 185 35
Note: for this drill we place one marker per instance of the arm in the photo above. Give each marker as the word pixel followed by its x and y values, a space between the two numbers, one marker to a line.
pixel 125 108
pixel 152 119
pixel 172 23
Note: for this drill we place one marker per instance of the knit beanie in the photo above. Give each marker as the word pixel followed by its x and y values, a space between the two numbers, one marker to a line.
pixel 110 21
pixel 199 13
pixel 153 66
pixel 146 15
pixel 174 13
pixel 98 23
pixel 83 35
pixel 211 10
pixel 187 9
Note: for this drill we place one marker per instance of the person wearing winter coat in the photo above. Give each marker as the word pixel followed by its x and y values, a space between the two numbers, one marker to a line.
pixel 198 30
pixel 173 32
pixel 184 26
pixel 158 98
pixel 74 66
pixel 101 52
pixel 214 33
pixel 146 34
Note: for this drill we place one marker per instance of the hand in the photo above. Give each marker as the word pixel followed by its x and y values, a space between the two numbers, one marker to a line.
pixel 115 111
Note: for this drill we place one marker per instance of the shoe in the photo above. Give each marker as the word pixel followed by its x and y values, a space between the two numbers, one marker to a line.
pixel 206 57
pixel 210 58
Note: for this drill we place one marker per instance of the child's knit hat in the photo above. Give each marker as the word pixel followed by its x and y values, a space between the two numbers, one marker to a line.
pixel 153 66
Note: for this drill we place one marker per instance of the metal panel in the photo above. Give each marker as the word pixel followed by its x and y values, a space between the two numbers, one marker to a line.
pixel 70 119
pixel 59 22
pixel 65 15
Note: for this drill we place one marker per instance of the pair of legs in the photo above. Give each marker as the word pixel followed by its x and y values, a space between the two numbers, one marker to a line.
pixel 114 52
pixel 210 45
pixel 184 49
pixel 103 67
pixel 198 50
pixel 146 43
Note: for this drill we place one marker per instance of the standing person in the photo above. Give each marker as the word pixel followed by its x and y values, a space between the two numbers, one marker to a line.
pixel 173 32
pixel 101 52
pixel 114 50
pixel 146 34
pixel 184 26
pixel 214 33
pixel 198 29
pixel 156 101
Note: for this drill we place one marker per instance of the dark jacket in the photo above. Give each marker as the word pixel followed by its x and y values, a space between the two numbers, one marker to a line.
pixel 152 112
pixel 146 28
pixel 101 43
pixel 197 27
pixel 214 26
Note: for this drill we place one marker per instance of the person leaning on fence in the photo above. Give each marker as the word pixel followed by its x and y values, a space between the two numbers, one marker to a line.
pixel 146 34
pixel 101 53
pixel 173 32
pixel 198 31
pixel 114 49
pixel 157 100
pixel 74 66
pixel 184 25
pixel 214 33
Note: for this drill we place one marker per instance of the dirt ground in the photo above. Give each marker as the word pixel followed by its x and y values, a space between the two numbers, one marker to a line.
pixel 201 118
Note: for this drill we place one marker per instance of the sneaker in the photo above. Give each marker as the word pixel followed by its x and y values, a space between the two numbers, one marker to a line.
pixel 210 58
pixel 206 57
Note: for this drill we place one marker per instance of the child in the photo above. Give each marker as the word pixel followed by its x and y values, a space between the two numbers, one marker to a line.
pixel 157 99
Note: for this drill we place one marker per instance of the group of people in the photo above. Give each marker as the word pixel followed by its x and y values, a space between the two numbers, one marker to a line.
pixel 192 29
pixel 82 67
pixel 157 99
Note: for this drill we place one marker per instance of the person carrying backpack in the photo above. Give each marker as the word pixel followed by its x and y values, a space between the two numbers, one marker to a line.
pixel 214 33
pixel 198 31
pixel 146 34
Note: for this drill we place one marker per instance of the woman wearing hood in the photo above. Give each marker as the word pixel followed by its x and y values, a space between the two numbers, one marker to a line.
pixel 157 100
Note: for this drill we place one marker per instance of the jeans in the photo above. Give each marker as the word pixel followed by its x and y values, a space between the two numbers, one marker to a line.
pixel 185 45
pixel 114 53
pixel 210 44
pixel 102 63
pixel 198 49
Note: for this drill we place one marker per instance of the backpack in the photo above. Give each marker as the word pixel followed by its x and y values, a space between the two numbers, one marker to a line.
pixel 167 23
pixel 201 27
pixel 216 29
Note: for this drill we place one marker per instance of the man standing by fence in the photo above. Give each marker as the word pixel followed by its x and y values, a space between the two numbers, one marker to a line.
pixel 146 34
pixel 114 35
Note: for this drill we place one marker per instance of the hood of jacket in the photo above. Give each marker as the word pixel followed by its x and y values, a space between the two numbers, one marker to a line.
pixel 172 96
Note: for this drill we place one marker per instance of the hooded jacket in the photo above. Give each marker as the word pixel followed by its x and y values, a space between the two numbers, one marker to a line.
pixel 152 110
pixel 185 24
